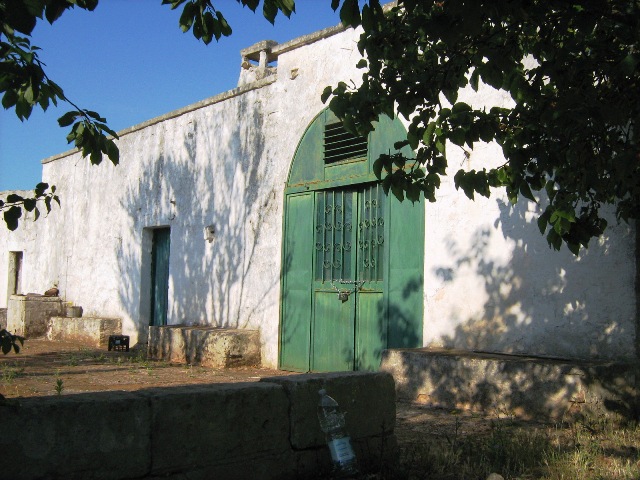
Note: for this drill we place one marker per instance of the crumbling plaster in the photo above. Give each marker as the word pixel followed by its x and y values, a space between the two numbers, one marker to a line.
pixel 491 281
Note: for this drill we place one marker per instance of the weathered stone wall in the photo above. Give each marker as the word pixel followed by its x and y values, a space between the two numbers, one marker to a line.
pixel 491 283
pixel 3 318
pixel 265 430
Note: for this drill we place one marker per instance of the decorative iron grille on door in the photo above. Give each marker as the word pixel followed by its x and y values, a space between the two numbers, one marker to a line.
pixel 337 245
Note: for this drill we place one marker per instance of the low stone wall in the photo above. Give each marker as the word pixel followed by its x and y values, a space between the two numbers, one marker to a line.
pixel 548 389
pixel 3 318
pixel 91 331
pixel 28 315
pixel 263 430
pixel 207 346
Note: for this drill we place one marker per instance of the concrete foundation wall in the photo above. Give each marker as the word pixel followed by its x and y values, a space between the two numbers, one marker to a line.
pixel 266 430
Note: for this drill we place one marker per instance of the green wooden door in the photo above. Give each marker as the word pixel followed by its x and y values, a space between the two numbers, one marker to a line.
pixel 349 328
pixel 295 333
pixel 353 257
pixel 160 249
pixel 333 335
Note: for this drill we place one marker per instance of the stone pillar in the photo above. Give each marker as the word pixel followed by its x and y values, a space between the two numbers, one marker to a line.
pixel 28 315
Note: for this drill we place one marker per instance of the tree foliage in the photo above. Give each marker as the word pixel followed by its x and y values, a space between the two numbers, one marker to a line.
pixel 571 71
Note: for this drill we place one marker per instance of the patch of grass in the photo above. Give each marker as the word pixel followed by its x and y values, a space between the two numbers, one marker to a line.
pixel 73 360
pixel 525 453
pixel 10 372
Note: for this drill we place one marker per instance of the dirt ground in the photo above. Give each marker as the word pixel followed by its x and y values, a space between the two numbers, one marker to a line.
pixel 44 368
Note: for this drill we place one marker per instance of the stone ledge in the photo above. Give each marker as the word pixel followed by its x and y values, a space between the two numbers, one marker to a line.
pixel 92 331
pixel 529 387
pixel 207 346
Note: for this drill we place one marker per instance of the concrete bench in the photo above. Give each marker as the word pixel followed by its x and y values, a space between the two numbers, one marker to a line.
pixel 92 331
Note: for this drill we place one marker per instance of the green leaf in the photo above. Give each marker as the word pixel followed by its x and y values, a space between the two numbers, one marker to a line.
pixel 525 190
pixel 350 13
pixel 326 93
pixel 460 107
pixel 377 167
pixel 113 152
pixel 188 16
pixel 67 119
pixel 427 138
pixel 542 223
pixel 458 136
pixel 554 239
pixel 475 77
pixel 9 98
pixel 574 248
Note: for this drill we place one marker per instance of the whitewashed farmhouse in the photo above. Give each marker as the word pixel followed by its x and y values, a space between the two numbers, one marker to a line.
pixel 244 211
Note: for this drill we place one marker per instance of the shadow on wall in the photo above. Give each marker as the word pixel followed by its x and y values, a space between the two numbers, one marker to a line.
pixel 216 178
pixel 537 302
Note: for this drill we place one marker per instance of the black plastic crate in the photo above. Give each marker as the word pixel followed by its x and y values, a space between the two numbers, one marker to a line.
pixel 119 342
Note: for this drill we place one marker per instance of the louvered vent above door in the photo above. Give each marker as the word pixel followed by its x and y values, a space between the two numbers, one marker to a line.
pixel 340 145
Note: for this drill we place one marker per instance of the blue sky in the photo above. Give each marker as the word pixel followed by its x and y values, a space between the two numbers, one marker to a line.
pixel 129 61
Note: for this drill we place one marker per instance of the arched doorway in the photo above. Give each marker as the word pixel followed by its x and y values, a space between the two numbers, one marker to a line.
pixel 353 257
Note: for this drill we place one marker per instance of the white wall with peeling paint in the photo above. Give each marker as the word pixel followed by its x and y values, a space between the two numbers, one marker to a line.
pixel 491 282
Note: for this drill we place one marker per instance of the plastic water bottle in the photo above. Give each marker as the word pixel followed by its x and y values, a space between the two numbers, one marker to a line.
pixel 332 424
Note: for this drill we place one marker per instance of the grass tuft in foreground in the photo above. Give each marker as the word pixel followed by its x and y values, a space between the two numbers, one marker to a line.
pixel 585 451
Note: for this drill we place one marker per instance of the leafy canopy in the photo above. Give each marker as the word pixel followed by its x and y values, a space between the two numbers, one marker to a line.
pixel 571 70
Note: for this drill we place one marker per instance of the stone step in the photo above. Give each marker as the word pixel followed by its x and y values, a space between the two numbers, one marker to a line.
pixel 204 345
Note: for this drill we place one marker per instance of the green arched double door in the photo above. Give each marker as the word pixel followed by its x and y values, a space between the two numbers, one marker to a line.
pixel 353 257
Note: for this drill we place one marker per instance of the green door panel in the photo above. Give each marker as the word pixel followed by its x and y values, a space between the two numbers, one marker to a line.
pixel 296 286
pixel 371 330
pixel 333 333
pixel 406 270
pixel 160 249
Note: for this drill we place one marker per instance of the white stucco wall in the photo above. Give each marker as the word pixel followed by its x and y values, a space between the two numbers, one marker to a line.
pixel 491 282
